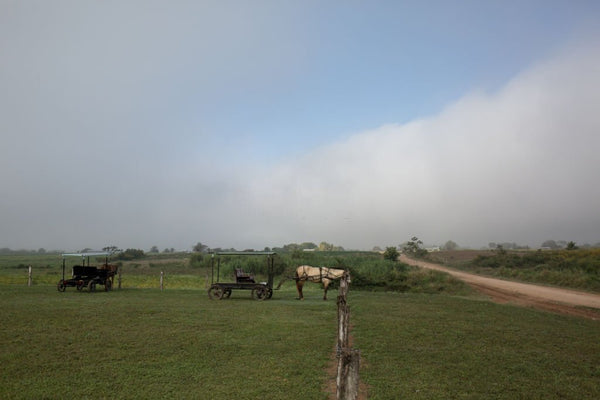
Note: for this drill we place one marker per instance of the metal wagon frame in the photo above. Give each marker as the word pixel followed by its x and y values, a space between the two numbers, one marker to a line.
pixel 244 281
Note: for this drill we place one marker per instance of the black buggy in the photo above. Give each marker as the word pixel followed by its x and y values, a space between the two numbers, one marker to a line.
pixel 86 275
pixel 243 280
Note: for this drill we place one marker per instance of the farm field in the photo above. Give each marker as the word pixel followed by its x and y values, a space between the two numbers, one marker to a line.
pixel 144 343
pixel 575 269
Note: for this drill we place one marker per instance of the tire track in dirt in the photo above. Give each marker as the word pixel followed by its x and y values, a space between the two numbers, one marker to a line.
pixel 552 299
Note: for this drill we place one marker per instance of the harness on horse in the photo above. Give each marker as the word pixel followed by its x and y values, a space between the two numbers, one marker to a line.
pixel 307 277
pixel 321 275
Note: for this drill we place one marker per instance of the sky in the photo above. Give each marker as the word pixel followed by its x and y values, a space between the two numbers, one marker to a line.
pixel 253 124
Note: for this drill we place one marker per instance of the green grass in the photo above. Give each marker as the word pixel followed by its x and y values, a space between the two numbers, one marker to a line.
pixel 439 347
pixel 144 343
pixel 153 344
pixel 436 340
pixel 576 269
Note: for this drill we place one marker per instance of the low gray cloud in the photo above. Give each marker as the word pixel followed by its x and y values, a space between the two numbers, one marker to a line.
pixel 515 165
pixel 107 138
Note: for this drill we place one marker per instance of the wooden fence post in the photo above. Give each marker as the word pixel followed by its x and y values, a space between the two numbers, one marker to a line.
pixel 29 280
pixel 161 280
pixel 119 278
pixel 348 359
pixel 349 365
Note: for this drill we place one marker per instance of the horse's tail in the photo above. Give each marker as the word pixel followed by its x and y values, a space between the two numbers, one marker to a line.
pixel 281 283
pixel 296 277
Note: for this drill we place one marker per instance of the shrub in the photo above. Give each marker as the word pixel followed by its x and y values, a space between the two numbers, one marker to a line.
pixel 391 253
pixel 131 254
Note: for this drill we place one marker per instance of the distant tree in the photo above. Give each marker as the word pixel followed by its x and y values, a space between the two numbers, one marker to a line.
pixel 391 253
pixel 492 245
pixel 308 246
pixel 413 247
pixel 324 246
pixel 571 246
pixel 41 250
pixel 154 249
pixel 131 254
pixel 110 249
pixel 290 247
pixel 500 250
pixel 200 248
pixel 450 245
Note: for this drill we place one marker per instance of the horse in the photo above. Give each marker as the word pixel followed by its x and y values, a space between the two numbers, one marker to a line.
pixel 316 274
pixel 111 271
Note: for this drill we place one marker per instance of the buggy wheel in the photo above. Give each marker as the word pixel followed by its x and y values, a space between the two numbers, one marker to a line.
pixel 80 285
pixel 92 286
pixel 260 293
pixel 108 285
pixel 61 286
pixel 215 292
pixel 226 293
pixel 269 293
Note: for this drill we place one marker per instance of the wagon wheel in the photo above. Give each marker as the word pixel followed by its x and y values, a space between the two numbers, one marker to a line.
pixel 215 292
pixel 80 285
pixel 108 285
pixel 226 293
pixel 92 286
pixel 269 293
pixel 260 293
pixel 61 286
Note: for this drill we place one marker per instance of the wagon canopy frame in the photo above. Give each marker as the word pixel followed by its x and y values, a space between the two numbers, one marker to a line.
pixel 95 276
pixel 260 290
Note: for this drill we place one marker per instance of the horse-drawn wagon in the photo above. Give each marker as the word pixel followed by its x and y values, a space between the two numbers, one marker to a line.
pixel 243 280
pixel 86 275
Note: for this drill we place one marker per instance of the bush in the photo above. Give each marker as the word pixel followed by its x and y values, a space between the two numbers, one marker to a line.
pixel 391 253
pixel 131 254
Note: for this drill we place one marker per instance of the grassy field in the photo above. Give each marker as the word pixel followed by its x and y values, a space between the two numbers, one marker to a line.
pixel 435 339
pixel 576 269
pixel 150 344
pixel 144 343
pixel 440 347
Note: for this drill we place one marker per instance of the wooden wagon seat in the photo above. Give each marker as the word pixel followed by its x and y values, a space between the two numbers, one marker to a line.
pixel 241 276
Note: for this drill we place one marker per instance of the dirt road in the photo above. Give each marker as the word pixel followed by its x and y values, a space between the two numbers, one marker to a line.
pixel 543 297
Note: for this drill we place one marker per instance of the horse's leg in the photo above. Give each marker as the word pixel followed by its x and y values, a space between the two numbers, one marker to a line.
pixel 325 287
pixel 299 285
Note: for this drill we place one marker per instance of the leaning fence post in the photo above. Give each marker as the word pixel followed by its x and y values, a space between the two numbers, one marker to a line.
pixel 29 280
pixel 161 280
